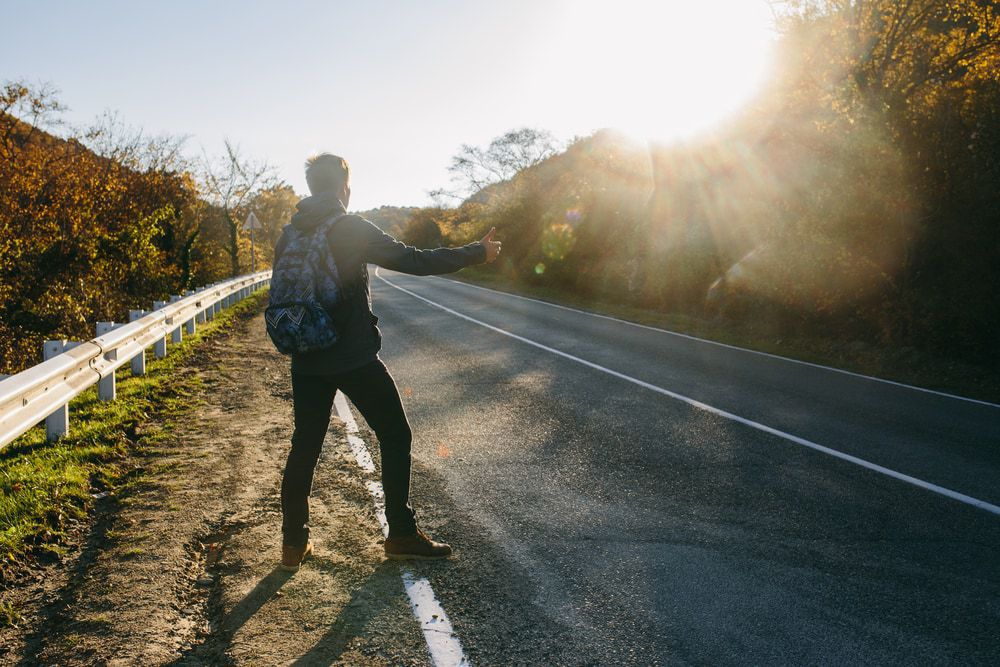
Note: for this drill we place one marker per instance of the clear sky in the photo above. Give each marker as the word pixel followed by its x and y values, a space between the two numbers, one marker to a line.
pixel 395 87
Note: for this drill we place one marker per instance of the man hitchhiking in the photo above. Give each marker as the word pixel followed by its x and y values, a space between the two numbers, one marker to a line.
pixel 351 364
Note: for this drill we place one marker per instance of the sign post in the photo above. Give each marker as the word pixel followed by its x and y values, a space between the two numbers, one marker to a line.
pixel 252 224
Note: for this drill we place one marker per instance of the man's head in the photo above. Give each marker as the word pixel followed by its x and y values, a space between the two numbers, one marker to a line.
pixel 327 173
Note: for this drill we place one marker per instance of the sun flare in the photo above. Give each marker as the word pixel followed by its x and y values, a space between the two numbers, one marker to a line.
pixel 662 70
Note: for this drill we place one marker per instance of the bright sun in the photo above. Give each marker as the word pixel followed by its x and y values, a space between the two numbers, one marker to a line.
pixel 659 70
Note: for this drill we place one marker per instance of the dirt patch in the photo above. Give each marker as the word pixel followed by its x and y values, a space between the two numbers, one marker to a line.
pixel 182 570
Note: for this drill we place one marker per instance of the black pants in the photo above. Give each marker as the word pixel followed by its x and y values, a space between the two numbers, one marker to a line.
pixel 373 392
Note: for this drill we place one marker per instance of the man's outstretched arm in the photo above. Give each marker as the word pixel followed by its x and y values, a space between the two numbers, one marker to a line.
pixel 387 252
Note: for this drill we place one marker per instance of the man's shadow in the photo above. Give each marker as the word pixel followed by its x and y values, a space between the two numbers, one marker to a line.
pixel 253 601
pixel 378 591
pixel 222 635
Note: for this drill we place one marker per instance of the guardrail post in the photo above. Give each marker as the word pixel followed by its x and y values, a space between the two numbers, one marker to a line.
pixel 176 335
pixel 106 390
pixel 139 360
pixel 189 327
pixel 210 308
pixel 57 423
pixel 160 346
pixel 199 317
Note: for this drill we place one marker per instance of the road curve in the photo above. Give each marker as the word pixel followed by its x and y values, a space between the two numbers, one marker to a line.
pixel 621 495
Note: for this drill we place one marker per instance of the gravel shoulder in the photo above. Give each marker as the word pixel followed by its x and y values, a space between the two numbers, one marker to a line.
pixel 182 568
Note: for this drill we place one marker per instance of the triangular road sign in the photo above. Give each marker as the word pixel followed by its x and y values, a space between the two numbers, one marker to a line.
pixel 252 222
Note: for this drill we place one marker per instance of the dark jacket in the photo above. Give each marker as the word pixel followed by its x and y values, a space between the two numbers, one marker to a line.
pixel 355 243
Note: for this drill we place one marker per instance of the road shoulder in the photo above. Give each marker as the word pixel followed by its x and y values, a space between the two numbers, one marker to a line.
pixel 182 569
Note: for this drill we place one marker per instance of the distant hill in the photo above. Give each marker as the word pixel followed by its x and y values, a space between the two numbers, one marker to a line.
pixel 390 219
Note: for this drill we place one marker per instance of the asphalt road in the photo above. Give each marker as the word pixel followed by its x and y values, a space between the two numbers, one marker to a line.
pixel 602 515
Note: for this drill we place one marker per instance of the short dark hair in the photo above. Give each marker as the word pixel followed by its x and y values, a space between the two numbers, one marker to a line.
pixel 327 173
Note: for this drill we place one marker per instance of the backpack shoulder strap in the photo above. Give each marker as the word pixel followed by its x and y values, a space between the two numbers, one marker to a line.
pixel 327 225
pixel 334 220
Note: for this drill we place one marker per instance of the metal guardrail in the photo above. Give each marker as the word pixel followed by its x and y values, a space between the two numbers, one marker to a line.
pixel 43 391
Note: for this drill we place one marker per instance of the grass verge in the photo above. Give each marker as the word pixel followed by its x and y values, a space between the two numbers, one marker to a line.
pixel 907 364
pixel 47 490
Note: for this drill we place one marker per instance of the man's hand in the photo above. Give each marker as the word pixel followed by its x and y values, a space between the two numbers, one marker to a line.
pixel 492 247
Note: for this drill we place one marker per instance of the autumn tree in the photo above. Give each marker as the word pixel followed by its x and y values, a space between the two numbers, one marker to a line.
pixel 904 94
pixel 230 182
pixel 475 168
pixel 899 53
pixel 157 162
pixel 423 230
pixel 855 198
pixel 81 234
pixel 274 207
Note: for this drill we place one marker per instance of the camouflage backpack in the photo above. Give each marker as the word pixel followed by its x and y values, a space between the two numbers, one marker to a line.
pixel 305 288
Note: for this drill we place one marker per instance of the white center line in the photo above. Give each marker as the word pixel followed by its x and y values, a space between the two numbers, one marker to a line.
pixel 928 486
pixel 442 642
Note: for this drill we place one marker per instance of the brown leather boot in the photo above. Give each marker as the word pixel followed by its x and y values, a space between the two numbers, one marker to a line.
pixel 292 557
pixel 416 546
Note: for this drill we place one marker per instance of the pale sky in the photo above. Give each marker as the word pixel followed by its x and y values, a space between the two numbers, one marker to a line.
pixel 394 87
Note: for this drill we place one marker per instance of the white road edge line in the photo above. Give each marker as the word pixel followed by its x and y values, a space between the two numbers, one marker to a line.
pixel 726 345
pixel 361 454
pixel 954 495
pixel 442 642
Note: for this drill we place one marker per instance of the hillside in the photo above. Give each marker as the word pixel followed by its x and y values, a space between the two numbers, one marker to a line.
pixel 390 219
pixel 86 237
pixel 796 220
